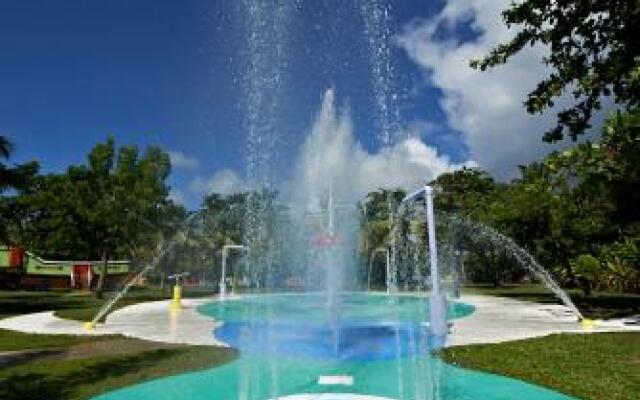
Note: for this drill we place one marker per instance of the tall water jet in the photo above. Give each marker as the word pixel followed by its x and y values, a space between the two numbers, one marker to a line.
pixel 377 21
pixel 266 30
pixel 322 190
pixel 334 282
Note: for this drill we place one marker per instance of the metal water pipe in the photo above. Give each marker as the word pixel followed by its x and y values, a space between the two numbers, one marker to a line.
pixel 437 299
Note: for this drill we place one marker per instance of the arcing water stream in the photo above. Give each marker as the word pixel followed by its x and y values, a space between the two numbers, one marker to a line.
pixel 519 254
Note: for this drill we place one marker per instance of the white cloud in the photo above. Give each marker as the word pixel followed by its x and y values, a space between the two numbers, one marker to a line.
pixel 179 160
pixel 224 181
pixel 486 107
pixel 407 164
pixel 332 159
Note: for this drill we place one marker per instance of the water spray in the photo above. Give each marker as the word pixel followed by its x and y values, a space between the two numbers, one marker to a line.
pixel 527 261
pixel 437 299
pixel 225 254
pixel 387 254
pixel 104 310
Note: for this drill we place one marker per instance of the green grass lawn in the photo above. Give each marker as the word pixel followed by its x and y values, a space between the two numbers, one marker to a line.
pixel 24 302
pixel 90 308
pixel 603 366
pixel 88 366
pixel 10 340
pixel 599 305
pixel 84 306
pixel 77 305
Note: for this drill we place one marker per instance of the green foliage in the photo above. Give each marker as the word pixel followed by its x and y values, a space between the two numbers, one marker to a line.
pixel 578 202
pixel 622 262
pixel 115 206
pixel 587 266
pixel 594 52
pixel 220 221
pixel 464 190
pixel 18 177
pixel 377 210
pixel 588 270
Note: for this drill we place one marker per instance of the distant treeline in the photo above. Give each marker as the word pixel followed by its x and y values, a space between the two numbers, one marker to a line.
pixel 576 211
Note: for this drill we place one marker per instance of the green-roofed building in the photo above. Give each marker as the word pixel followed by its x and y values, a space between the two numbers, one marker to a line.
pixel 23 269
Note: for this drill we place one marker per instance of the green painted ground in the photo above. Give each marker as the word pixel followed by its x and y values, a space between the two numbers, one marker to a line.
pixel 262 378
pixel 80 306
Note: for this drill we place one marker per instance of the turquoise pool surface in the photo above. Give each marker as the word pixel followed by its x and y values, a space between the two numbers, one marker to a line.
pixel 367 327
pixel 288 342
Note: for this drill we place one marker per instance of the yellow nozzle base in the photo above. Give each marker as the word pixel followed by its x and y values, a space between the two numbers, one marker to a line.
pixel 588 323
pixel 176 301
pixel 89 326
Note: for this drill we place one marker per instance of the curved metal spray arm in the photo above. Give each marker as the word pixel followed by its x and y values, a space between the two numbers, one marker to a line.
pixel 437 300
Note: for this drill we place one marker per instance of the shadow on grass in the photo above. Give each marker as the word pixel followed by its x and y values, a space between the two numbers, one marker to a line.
pixel 18 303
pixel 81 306
pixel 598 305
pixel 63 383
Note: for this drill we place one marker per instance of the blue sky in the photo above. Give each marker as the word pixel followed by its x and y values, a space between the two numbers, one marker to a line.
pixel 167 73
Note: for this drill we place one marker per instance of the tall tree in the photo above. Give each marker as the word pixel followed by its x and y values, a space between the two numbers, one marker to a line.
pixel 594 52
pixel 12 179
pixel 5 147
pixel 464 191
pixel 114 206
pixel 127 196
pixel 18 176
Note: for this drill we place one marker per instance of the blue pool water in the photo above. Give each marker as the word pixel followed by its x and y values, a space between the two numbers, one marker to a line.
pixel 367 327
pixel 287 342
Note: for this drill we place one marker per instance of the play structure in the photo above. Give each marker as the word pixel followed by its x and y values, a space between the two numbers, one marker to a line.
pixel 23 269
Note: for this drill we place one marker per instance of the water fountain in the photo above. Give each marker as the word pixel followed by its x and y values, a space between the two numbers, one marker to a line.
pixel 324 338
pixel 437 299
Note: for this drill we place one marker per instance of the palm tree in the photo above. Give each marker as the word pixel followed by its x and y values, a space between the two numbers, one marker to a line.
pixel 5 147
pixel 5 152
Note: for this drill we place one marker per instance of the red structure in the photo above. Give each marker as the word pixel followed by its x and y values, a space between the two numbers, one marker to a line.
pixel 16 257
pixel 81 276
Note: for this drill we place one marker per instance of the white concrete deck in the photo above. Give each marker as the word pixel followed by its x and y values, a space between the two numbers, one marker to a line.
pixel 156 321
pixel 495 320
pixel 46 322
pixel 499 319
